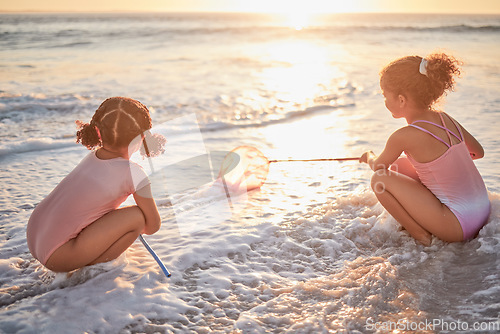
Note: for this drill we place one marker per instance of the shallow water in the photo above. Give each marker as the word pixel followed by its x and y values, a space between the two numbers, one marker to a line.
pixel 312 250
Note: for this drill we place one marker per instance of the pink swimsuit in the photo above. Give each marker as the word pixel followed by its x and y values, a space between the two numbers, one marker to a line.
pixel 94 188
pixel 454 179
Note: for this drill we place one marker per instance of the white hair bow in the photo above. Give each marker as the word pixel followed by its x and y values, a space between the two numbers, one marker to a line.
pixel 423 67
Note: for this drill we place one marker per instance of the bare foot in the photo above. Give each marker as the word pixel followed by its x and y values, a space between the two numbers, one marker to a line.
pixel 425 240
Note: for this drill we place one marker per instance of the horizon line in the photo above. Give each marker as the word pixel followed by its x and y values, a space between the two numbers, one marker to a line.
pixel 118 11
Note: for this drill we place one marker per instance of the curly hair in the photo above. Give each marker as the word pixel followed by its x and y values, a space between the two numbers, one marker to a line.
pixel 402 76
pixel 116 122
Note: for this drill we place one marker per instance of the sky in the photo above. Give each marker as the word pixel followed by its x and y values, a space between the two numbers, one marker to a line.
pixel 273 6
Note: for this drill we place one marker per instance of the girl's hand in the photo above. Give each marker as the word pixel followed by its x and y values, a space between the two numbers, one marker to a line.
pixel 365 156
pixel 144 200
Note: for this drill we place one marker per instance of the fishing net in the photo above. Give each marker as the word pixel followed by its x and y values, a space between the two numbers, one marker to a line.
pixel 243 169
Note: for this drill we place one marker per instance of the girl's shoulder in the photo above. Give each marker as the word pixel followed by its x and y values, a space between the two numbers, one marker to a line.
pixel 407 138
pixel 406 133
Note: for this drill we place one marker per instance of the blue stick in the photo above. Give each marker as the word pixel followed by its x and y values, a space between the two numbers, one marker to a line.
pixel 150 250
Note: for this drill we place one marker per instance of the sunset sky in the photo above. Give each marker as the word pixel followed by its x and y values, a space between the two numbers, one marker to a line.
pixel 279 6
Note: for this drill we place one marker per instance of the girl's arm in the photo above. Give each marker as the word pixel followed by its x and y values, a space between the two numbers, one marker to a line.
pixel 392 151
pixel 144 200
pixel 475 149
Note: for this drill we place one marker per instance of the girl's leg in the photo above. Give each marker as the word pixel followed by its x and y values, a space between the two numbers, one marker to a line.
pixel 415 207
pixel 103 240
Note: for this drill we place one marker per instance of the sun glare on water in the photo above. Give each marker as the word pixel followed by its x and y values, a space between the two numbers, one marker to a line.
pixel 300 14
pixel 301 72
pixel 297 19
pixel 296 15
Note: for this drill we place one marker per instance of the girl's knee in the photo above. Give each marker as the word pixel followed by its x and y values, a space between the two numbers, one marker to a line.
pixel 378 183
pixel 140 224
pixel 135 218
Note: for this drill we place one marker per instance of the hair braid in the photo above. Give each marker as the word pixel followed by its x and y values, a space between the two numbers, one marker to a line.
pixel 116 122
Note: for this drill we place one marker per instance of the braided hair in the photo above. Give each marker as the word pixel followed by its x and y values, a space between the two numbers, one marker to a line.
pixel 116 122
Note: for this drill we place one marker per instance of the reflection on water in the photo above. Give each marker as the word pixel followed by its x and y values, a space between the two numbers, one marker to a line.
pixel 293 74
pixel 301 71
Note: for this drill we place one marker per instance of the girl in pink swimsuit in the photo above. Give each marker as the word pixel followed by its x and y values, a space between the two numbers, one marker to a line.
pixel 437 190
pixel 80 223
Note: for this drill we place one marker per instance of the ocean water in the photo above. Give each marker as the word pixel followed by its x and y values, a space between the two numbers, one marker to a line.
pixel 311 251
